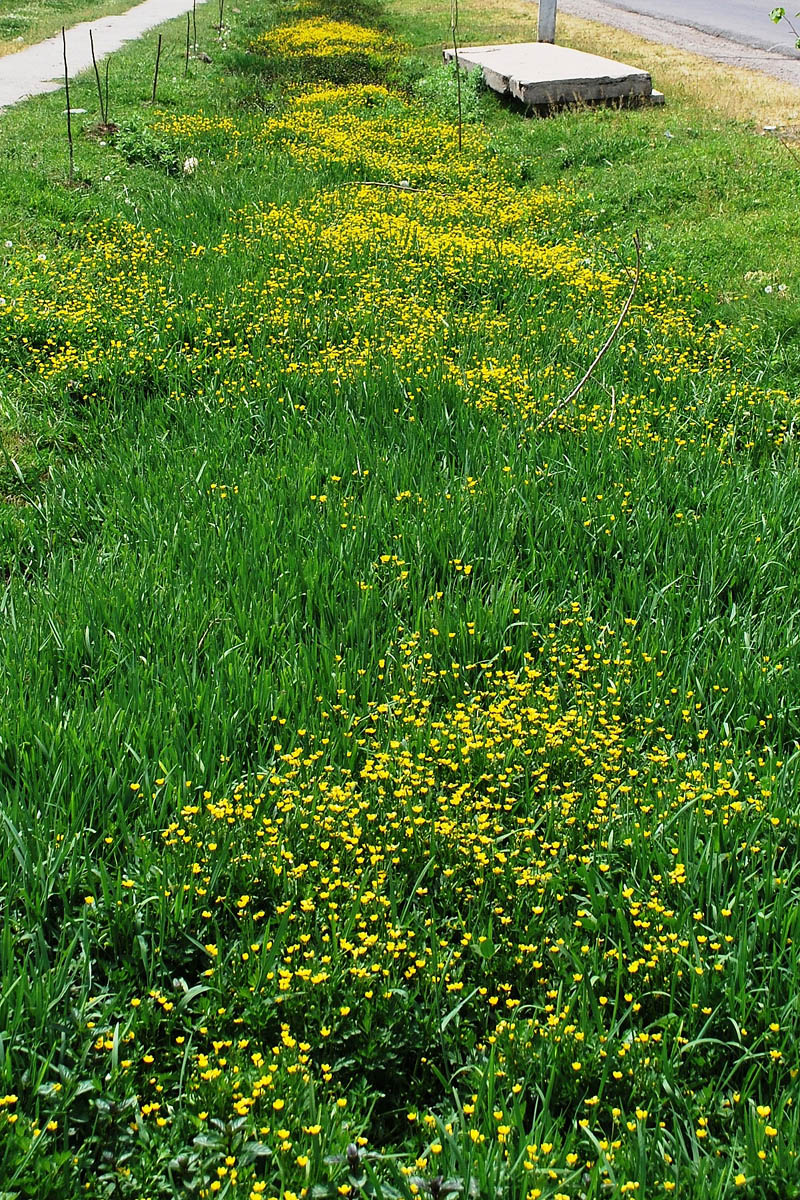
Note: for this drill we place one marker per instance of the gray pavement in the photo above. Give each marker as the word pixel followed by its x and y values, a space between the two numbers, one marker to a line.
pixel 744 21
pixel 782 63
pixel 40 68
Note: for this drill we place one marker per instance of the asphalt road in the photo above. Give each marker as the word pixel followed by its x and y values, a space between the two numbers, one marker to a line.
pixel 743 21
pixel 738 33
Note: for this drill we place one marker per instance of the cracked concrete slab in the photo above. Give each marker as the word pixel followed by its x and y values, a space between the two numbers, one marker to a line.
pixel 544 75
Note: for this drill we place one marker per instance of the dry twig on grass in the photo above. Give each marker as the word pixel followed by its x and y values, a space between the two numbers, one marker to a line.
pixel 400 187
pixel 606 346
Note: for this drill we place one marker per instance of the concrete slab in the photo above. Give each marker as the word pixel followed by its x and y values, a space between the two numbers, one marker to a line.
pixel 543 75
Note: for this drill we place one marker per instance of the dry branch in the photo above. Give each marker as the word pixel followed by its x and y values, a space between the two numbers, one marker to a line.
pixel 601 353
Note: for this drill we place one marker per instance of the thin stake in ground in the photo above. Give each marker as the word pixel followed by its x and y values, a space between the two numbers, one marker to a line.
pixel 155 75
pixel 194 24
pixel 69 111
pixel 454 32
pixel 103 115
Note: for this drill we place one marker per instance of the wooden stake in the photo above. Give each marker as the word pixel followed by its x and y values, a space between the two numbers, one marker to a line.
pixel 221 7
pixel 69 112
pixel 194 24
pixel 155 76
pixel 97 77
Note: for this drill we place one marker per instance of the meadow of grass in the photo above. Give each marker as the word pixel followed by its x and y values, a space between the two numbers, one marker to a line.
pixel 398 783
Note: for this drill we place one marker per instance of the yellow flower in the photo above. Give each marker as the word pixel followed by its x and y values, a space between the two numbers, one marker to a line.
pixel 321 38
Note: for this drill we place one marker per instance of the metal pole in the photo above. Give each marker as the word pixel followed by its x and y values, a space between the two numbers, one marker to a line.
pixel 547 20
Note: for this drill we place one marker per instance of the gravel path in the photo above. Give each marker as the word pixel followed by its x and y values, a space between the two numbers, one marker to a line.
pixel 40 68
pixel 684 37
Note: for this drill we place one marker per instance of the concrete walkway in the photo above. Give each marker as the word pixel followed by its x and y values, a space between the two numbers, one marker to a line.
pixel 40 68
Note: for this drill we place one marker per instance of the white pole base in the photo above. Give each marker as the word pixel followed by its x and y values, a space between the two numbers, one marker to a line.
pixel 547 20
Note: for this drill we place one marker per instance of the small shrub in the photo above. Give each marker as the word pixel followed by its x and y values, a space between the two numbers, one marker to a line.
pixel 407 71
pixel 438 90
pixel 139 144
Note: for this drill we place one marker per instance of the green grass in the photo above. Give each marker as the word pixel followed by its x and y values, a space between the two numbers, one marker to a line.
pixel 382 762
